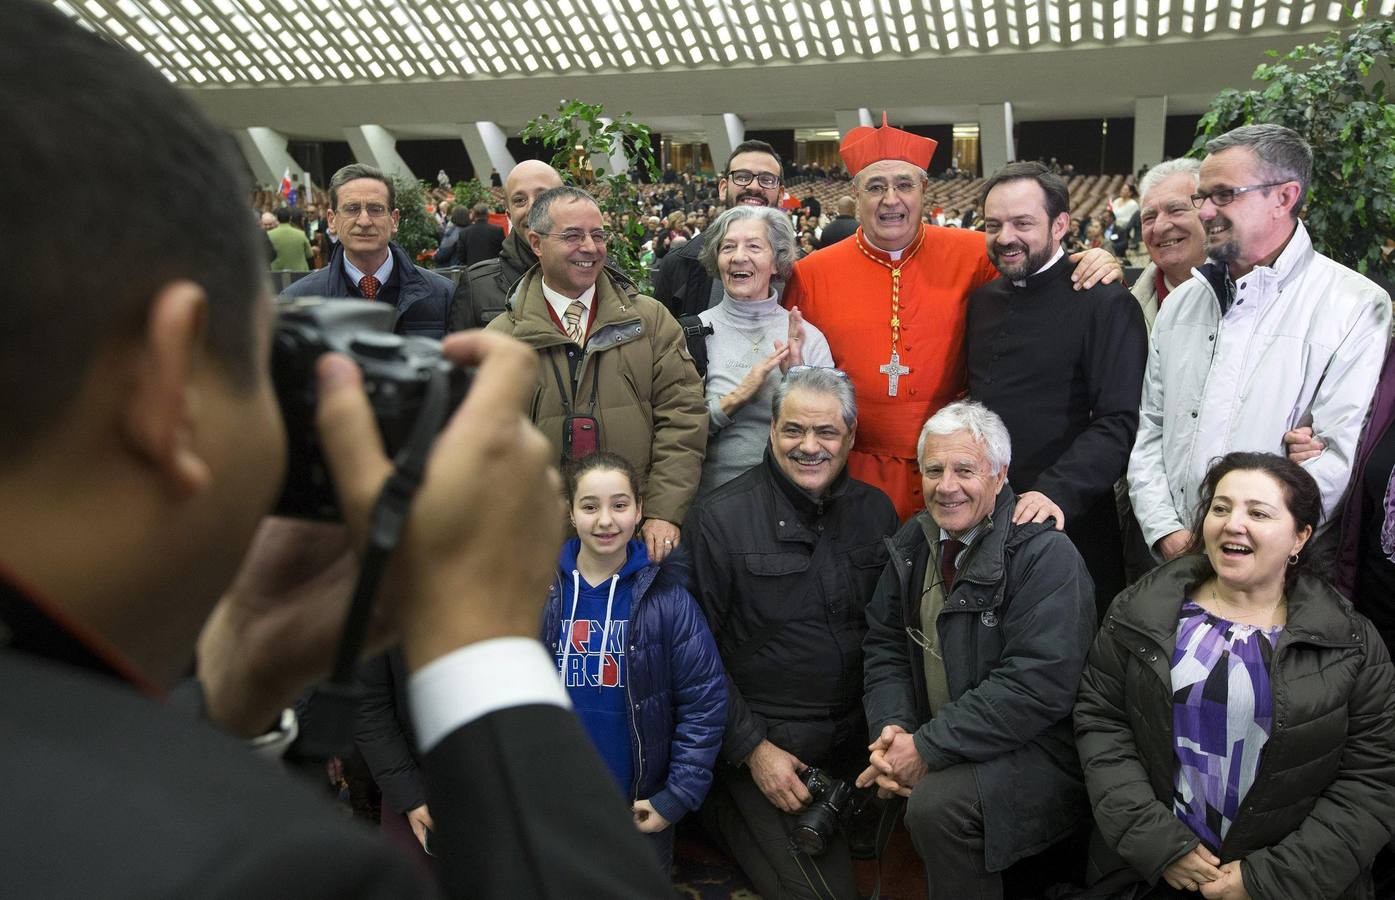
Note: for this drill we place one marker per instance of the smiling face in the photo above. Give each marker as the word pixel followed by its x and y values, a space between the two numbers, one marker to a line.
pixel 752 194
pixel 745 260
pixel 1249 532
pixel 890 196
pixel 1021 236
pixel 605 511
pixel 528 181
pixel 810 441
pixel 957 480
pixel 1171 226
pixel 1249 228
pixel 570 269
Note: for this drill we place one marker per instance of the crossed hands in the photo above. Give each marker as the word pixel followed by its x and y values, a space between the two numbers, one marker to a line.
pixel 895 765
pixel 1201 870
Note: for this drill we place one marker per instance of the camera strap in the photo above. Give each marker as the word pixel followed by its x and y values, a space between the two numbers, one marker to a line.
pixel 885 823
pixel 330 728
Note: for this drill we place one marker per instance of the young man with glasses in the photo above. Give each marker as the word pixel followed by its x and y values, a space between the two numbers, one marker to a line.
pixel 1272 336
pixel 367 265
pixel 616 373
pixel 753 176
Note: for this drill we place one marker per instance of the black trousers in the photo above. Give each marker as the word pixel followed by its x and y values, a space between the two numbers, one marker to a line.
pixel 757 834
pixel 945 819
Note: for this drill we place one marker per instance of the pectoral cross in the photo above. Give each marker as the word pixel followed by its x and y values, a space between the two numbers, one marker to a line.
pixel 893 372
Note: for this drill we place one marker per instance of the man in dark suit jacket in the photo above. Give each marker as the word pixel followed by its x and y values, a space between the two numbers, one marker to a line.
pixel 843 226
pixel 142 447
pixel 480 240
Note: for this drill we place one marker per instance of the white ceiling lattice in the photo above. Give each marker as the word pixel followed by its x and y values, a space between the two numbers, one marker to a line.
pixel 241 43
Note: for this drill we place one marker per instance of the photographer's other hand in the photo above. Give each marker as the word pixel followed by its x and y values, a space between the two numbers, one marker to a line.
pixel 485 526
pixel 276 629
pixel 647 819
pixel 420 820
pixel 776 773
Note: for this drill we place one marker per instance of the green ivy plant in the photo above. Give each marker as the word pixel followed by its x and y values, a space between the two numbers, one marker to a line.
pixel 575 134
pixel 468 193
pixel 1335 94
pixel 416 228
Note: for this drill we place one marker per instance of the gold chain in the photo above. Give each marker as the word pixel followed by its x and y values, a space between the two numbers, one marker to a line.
pixel 895 280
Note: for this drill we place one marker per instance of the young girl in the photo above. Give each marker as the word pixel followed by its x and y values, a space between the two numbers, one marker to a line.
pixel 635 653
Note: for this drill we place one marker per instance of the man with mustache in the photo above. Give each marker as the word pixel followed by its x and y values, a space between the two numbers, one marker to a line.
pixel 367 265
pixel 892 302
pixel 753 176
pixel 1063 368
pixel 1269 337
pixel 785 559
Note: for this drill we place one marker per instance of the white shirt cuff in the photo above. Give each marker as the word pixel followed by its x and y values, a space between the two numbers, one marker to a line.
pixel 474 681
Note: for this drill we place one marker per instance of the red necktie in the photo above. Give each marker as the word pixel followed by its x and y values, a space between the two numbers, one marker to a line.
pixel 368 287
pixel 949 553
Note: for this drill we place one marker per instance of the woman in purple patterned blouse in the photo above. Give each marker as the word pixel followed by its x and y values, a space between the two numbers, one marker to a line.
pixel 1236 718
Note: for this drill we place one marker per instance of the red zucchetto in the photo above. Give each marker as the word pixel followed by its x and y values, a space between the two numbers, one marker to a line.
pixel 863 146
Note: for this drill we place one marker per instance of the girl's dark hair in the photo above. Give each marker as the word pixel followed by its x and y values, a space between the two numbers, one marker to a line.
pixel 602 459
pixel 1302 498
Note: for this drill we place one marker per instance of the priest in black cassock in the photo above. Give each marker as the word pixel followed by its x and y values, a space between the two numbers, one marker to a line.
pixel 1064 369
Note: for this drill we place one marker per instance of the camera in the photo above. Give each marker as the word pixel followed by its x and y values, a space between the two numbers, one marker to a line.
pixel 824 815
pixel 397 370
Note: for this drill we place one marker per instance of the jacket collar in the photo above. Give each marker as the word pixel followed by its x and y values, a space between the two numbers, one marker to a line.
pixel 1292 262
pixel 1059 270
pixel 804 505
pixel 985 564
pixel 516 253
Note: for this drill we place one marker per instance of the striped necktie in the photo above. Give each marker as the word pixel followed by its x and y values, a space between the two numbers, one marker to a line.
pixel 572 318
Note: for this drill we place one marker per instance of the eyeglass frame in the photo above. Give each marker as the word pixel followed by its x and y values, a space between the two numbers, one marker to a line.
pixel 736 175
pixel 1200 197
pixel 576 238
pixel 363 208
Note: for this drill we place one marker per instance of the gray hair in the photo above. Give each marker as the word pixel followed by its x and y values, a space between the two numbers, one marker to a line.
pixel 540 216
pixel 820 381
pixel 353 172
pixel 982 423
pixel 778 231
pixel 1165 170
pixel 1282 153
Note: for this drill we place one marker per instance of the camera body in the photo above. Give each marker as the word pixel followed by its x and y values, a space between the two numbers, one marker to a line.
pixel 396 371
pixel 824 815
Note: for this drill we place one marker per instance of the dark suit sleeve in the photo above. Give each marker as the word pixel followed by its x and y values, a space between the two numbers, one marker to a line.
pixel 462 310
pixel 382 741
pixel 525 808
pixel 1114 362
pixel 666 282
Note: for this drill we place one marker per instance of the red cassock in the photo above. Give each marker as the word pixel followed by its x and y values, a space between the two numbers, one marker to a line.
pixel 845 290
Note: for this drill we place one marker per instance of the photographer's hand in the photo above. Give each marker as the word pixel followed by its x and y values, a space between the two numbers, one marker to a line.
pixel 486 524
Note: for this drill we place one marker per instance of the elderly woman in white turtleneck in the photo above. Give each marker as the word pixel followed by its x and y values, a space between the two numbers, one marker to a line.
pixel 754 340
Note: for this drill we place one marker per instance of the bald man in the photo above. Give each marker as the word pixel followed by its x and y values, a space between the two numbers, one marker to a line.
pixel 484 287
pixel 843 225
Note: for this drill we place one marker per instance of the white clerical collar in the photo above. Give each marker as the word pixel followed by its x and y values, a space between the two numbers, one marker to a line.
pixel 382 274
pixel 894 254
pixel 560 302
pixel 1060 252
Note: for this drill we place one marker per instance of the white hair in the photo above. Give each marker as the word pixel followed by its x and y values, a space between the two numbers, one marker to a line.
pixel 982 423
pixel 1165 170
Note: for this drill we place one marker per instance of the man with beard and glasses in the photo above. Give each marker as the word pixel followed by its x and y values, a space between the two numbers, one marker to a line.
pixel 1271 336
pixel 785 559
pixel 892 301
pixel 1063 368
pixel 753 177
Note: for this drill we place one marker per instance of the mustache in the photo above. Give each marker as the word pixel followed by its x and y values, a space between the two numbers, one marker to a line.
pixel 753 194
pixel 1008 248
pixel 799 457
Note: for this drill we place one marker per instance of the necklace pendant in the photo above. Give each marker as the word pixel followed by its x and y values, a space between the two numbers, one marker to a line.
pixel 893 371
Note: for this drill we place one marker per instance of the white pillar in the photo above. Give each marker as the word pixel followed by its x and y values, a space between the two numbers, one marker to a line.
pixel 848 119
pixel 1149 130
pixel 614 163
pixel 266 154
pixel 995 136
pixel 724 133
pixel 376 146
pixel 488 148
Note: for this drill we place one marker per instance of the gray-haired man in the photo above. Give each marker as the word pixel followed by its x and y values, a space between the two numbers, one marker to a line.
pixel 976 639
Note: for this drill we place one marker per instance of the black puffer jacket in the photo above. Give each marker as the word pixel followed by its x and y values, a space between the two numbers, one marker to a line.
pixel 484 288
pixel 1013 634
pixel 784 581
pixel 1323 801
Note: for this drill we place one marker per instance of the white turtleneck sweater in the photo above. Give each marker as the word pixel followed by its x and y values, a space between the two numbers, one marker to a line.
pixel 744 333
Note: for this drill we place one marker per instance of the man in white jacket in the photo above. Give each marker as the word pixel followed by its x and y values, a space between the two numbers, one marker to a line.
pixel 1270 336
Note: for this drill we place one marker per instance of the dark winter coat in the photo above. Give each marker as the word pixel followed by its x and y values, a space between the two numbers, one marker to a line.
pixel 1323 800
pixel 1014 634
pixel 484 288
pixel 784 580
pixel 423 297
pixel 677 693
pixel 683 284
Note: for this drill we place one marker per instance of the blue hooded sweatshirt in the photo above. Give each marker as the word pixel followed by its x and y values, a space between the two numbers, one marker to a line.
pixel 591 651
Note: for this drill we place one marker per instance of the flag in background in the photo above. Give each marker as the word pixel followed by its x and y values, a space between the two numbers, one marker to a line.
pixel 287 189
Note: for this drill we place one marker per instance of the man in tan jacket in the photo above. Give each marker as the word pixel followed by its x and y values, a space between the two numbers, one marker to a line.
pixel 616 373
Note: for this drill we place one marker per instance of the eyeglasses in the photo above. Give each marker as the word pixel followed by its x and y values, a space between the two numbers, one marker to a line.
pixel 573 237
pixel 742 177
pixel 354 210
pixel 901 186
pixel 838 373
pixel 1224 196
